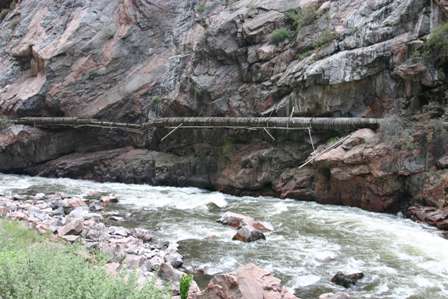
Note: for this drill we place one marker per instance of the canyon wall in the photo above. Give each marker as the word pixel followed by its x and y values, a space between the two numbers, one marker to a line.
pixel 130 60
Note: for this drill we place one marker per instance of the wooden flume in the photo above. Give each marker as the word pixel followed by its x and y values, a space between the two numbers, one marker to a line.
pixel 318 123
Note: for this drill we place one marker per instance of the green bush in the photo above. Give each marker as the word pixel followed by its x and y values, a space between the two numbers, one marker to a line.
pixel 437 44
pixel 302 17
pixel 303 55
pixel 185 283
pixel 4 122
pixel 201 8
pixel 280 35
pixel 33 268
pixel 325 37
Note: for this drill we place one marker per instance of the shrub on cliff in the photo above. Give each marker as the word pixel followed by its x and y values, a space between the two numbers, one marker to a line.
pixel 437 44
pixel 3 122
pixel 31 267
pixel 280 35
pixel 302 17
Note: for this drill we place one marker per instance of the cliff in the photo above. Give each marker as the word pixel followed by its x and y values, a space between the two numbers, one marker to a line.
pixel 130 60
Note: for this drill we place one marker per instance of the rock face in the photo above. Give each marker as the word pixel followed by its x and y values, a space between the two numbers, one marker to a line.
pixel 248 282
pixel 130 60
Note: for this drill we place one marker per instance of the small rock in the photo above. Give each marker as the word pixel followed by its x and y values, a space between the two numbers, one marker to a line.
pixel 339 295
pixel 83 212
pixel 248 233
pixel 119 231
pixel 133 261
pixel 94 207
pixel 39 196
pixel 116 218
pixel 73 227
pixel 18 197
pixel 142 234
pixel 442 163
pixel 346 280
pixel 70 238
pixel 168 273
pixel 217 202
pixel 74 203
pixel 107 199
pixel 174 259
pixel 95 232
pixel 154 263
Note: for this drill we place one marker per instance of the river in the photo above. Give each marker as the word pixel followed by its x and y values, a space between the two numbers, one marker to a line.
pixel 310 242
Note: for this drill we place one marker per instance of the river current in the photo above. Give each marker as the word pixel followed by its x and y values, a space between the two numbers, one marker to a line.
pixel 310 242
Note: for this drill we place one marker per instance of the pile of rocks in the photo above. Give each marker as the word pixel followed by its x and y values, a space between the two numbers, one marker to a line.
pixel 249 229
pixel 80 219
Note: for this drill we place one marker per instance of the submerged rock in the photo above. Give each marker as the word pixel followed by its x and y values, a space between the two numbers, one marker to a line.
pixel 346 280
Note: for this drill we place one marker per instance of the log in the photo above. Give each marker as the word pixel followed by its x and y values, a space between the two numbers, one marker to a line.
pixel 319 123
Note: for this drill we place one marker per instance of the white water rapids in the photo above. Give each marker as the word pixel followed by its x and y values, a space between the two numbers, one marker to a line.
pixel 310 242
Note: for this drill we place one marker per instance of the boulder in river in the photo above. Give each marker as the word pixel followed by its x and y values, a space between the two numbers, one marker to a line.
pixel 238 220
pixel 248 233
pixel 248 282
pixel 346 280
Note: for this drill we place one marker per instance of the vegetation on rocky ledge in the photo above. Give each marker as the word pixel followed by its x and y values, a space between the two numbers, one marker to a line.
pixel 32 267
pixel 280 35
pixel 437 44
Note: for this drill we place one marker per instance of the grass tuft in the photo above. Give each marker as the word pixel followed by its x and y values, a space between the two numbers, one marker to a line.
pixel 280 35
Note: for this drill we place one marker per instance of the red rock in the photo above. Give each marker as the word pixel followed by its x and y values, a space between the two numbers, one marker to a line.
pixel 430 215
pixel 73 227
pixel 239 220
pixel 249 282
pixel 74 202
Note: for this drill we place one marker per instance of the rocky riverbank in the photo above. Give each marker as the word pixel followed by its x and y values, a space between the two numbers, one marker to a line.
pixel 83 219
